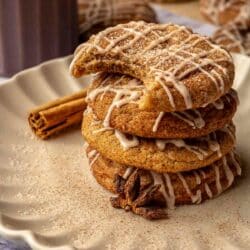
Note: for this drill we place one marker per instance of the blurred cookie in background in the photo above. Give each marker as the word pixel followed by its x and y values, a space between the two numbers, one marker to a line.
pixel 222 12
pixel 169 1
pixel 234 38
pixel 96 15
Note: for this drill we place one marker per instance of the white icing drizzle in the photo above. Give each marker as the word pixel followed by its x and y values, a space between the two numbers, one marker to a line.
pixel 128 91
pixel 235 162
pixel 125 142
pixel 158 181
pixel 207 188
pixel 217 179
pixel 133 141
pixel 123 95
pixel 229 130
pixel 199 121
pixel 183 116
pixel 157 121
pixel 102 130
pixel 228 172
pixel 194 198
pixel 211 139
pixel 200 153
pixel 219 104
pixel 128 172
pixel 169 198
pixel 94 123
pixel 119 101
pixel 161 144
pixel 170 76
pixel 167 78
pixel 203 174
pixel 88 110
pixel 85 145
pixel 93 154
pixel 208 191
pixel 214 145
pixel 197 178
pixel 195 121
pixel 169 186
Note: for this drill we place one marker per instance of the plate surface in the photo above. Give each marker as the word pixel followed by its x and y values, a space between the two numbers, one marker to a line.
pixel 49 197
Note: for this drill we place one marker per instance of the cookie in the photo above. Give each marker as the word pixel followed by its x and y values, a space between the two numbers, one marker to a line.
pixel 96 15
pixel 181 70
pixel 114 100
pixel 162 155
pixel 191 187
pixel 105 170
pixel 222 12
pixel 234 38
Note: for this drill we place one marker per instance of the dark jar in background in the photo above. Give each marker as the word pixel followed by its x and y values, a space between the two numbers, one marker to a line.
pixel 32 31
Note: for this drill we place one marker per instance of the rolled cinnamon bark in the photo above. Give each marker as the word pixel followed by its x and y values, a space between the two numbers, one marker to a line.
pixel 53 117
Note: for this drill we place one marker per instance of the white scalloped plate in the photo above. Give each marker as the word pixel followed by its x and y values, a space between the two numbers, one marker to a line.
pixel 49 198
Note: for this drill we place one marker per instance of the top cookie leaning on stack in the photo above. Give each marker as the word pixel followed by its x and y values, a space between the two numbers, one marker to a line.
pixel 164 103
pixel 181 70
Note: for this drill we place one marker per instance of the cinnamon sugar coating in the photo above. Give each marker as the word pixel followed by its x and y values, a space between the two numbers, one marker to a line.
pixel 106 93
pixel 223 12
pixel 181 70
pixel 160 155
pixel 208 182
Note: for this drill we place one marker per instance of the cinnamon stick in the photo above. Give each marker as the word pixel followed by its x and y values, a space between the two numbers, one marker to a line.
pixel 55 116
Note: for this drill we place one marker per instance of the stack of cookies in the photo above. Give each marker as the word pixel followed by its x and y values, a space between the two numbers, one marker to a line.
pixel 159 119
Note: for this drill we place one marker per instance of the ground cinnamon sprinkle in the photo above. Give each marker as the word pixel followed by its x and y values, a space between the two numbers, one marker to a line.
pixel 54 193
